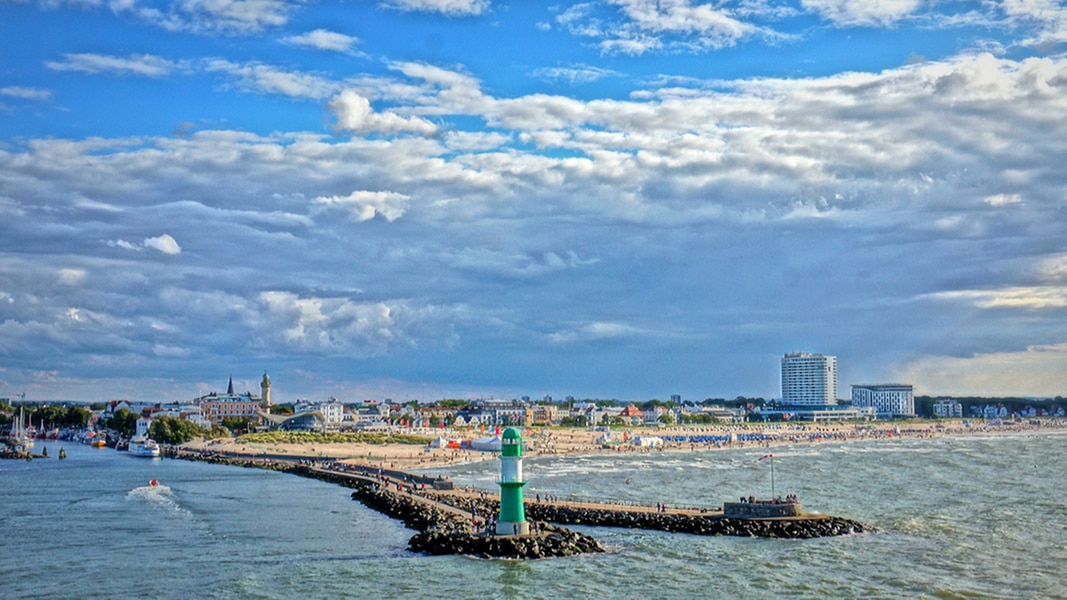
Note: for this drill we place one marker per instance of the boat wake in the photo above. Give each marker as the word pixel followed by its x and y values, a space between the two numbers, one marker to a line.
pixel 159 497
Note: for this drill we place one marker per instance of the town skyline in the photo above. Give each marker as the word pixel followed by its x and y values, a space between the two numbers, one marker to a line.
pixel 455 198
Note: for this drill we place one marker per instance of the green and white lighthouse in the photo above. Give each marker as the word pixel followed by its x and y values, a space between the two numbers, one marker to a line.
pixel 512 519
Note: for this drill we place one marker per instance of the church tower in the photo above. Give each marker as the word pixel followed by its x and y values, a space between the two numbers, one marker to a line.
pixel 264 387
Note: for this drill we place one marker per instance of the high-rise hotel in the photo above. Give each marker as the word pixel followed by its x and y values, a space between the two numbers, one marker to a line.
pixel 809 379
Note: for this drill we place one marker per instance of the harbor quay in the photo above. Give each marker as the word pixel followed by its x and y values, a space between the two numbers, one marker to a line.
pixel 452 520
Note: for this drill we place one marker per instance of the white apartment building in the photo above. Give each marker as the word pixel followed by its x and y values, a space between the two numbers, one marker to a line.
pixel 948 409
pixel 888 400
pixel 809 379
pixel 333 413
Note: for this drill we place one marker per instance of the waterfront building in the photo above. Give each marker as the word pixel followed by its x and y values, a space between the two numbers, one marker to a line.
pixel 815 414
pixel 510 414
pixel 215 407
pixel 542 414
pixel 306 421
pixel 141 429
pixel 333 413
pixel 631 415
pixel 652 414
pixel 809 379
pixel 889 400
pixel 948 408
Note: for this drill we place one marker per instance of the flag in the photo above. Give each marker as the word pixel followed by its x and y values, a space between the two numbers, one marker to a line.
pixel 765 456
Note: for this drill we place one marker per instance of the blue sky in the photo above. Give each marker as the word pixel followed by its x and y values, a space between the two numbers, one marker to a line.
pixel 626 199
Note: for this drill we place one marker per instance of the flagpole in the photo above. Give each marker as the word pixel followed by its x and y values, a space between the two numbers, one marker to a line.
pixel 772 477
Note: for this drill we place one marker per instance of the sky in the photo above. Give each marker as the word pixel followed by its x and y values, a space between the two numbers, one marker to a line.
pixel 629 199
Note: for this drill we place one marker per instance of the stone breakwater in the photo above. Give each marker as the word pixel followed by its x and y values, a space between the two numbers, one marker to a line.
pixel 442 529
pixel 445 530
pixel 800 527
pixel 444 520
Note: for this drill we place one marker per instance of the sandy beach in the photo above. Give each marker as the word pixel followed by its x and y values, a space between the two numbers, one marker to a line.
pixel 571 442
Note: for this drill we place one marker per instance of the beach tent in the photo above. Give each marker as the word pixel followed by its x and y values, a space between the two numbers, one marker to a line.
pixel 647 441
pixel 487 444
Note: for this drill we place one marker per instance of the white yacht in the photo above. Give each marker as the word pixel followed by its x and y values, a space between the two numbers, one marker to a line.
pixel 147 448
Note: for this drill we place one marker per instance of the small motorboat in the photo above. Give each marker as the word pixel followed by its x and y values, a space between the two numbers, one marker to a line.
pixel 154 482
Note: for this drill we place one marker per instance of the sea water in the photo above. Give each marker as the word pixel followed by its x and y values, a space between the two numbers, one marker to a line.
pixel 979 516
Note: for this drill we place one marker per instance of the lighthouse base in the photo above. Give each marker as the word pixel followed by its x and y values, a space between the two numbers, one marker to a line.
pixel 512 528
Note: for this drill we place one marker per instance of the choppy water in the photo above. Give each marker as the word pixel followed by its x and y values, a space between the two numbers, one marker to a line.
pixel 970 517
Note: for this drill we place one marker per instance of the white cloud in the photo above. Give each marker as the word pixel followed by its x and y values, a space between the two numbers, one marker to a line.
pixel 222 16
pixel 165 351
pixel 1003 199
pixel 71 277
pixel 354 113
pixel 1017 297
pixel 163 243
pixel 272 80
pixel 447 7
pixel 26 93
pixel 1044 20
pixel 145 65
pixel 642 26
pixel 1039 370
pixel 323 39
pixel 598 330
pixel 344 327
pixel 241 16
pixel 364 205
pixel 863 12
pixel 124 245
pixel 575 74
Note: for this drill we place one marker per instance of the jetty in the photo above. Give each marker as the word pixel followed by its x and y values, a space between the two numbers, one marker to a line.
pixel 451 520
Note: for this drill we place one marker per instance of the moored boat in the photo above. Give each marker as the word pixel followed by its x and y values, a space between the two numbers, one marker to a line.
pixel 146 448
pixel 20 436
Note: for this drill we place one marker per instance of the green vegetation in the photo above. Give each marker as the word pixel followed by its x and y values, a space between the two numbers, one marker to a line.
pixel 281 409
pixel 50 416
pixel 241 424
pixel 124 422
pixel 307 437
pixel 219 432
pixel 169 430
pixel 698 419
